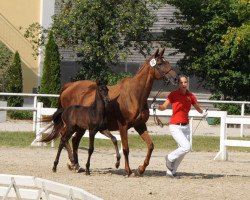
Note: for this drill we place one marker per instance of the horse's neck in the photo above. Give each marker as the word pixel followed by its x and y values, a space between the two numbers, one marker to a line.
pixel 143 80
pixel 98 104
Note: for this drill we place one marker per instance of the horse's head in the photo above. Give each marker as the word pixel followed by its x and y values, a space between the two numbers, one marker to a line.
pixel 103 90
pixel 161 68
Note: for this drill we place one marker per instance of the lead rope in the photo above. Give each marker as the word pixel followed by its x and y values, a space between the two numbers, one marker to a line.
pixel 156 118
pixel 199 122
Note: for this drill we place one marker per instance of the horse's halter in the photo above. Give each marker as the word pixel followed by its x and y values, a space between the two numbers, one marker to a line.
pixel 163 74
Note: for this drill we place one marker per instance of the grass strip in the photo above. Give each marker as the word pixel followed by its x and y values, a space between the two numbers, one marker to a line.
pixel 166 142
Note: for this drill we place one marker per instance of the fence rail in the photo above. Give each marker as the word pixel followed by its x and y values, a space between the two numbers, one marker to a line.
pixel 225 119
pixel 35 101
pixel 30 187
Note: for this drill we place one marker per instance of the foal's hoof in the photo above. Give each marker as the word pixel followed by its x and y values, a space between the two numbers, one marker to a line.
pixel 75 168
pixel 54 169
pixel 117 164
pixel 141 169
pixel 70 166
pixel 79 170
pixel 87 173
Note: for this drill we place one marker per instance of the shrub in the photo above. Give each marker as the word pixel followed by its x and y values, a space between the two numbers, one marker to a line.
pixel 14 81
pixel 50 83
pixel 20 114
pixel 6 57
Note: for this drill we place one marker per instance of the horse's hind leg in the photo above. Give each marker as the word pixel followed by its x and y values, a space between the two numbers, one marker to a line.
pixel 75 144
pixel 91 149
pixel 60 147
pixel 71 166
pixel 142 130
pixel 114 140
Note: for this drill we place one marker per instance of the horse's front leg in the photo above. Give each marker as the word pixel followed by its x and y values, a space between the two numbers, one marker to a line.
pixel 114 140
pixel 142 130
pixel 124 139
pixel 91 149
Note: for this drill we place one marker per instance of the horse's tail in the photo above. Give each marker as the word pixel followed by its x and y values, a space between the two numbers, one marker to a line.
pixel 55 118
pixel 57 123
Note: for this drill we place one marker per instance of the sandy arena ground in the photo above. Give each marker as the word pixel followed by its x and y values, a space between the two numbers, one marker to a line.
pixel 200 177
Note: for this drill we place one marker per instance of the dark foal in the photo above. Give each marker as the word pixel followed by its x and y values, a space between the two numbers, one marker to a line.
pixel 83 118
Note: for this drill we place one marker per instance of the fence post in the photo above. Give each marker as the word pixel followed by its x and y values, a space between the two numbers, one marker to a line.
pixel 222 155
pixel 34 113
pixel 38 126
pixel 242 114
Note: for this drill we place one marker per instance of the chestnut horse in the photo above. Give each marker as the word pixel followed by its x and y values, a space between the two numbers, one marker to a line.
pixel 79 118
pixel 128 104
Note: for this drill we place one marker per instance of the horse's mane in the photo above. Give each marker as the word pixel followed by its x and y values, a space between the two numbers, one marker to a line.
pixel 90 88
pixel 65 86
pixel 115 90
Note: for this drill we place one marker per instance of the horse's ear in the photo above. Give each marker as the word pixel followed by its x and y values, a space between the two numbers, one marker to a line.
pixel 156 54
pixel 162 52
pixel 98 82
pixel 105 81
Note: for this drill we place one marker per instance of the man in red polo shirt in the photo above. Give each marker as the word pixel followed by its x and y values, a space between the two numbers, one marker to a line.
pixel 181 100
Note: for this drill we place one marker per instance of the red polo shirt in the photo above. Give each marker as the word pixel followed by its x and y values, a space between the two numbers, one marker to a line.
pixel 181 105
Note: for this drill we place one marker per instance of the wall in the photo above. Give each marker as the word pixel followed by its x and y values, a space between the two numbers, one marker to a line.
pixel 21 13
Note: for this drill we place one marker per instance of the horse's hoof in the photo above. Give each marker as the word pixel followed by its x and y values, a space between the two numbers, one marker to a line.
pixel 79 170
pixel 130 175
pixel 141 170
pixel 54 169
pixel 117 164
pixel 87 173
pixel 70 166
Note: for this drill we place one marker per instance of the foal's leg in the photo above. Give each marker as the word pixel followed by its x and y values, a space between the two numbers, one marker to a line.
pixel 91 149
pixel 60 147
pixel 66 135
pixel 114 140
pixel 75 144
pixel 142 130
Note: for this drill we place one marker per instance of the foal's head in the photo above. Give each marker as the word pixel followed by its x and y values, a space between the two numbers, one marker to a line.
pixel 161 68
pixel 103 90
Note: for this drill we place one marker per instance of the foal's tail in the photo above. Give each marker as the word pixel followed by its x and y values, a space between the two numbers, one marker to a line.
pixel 57 123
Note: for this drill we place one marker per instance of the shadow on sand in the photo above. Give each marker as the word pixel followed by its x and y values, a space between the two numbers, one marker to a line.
pixel 158 173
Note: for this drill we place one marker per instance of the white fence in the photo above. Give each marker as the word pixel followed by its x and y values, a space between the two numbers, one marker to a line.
pixel 224 119
pixel 241 103
pixel 30 187
pixel 224 142
pixel 220 114
pixel 33 108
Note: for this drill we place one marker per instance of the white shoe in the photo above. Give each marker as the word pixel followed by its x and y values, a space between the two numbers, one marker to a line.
pixel 169 164
pixel 170 174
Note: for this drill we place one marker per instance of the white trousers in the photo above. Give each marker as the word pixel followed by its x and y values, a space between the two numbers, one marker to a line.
pixel 181 135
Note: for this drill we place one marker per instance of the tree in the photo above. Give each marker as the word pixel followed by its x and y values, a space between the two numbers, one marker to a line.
pixel 215 37
pixel 101 32
pixel 6 57
pixel 50 81
pixel 14 81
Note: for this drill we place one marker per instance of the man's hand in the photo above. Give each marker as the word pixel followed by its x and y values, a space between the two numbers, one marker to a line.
pixel 204 113
pixel 155 106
